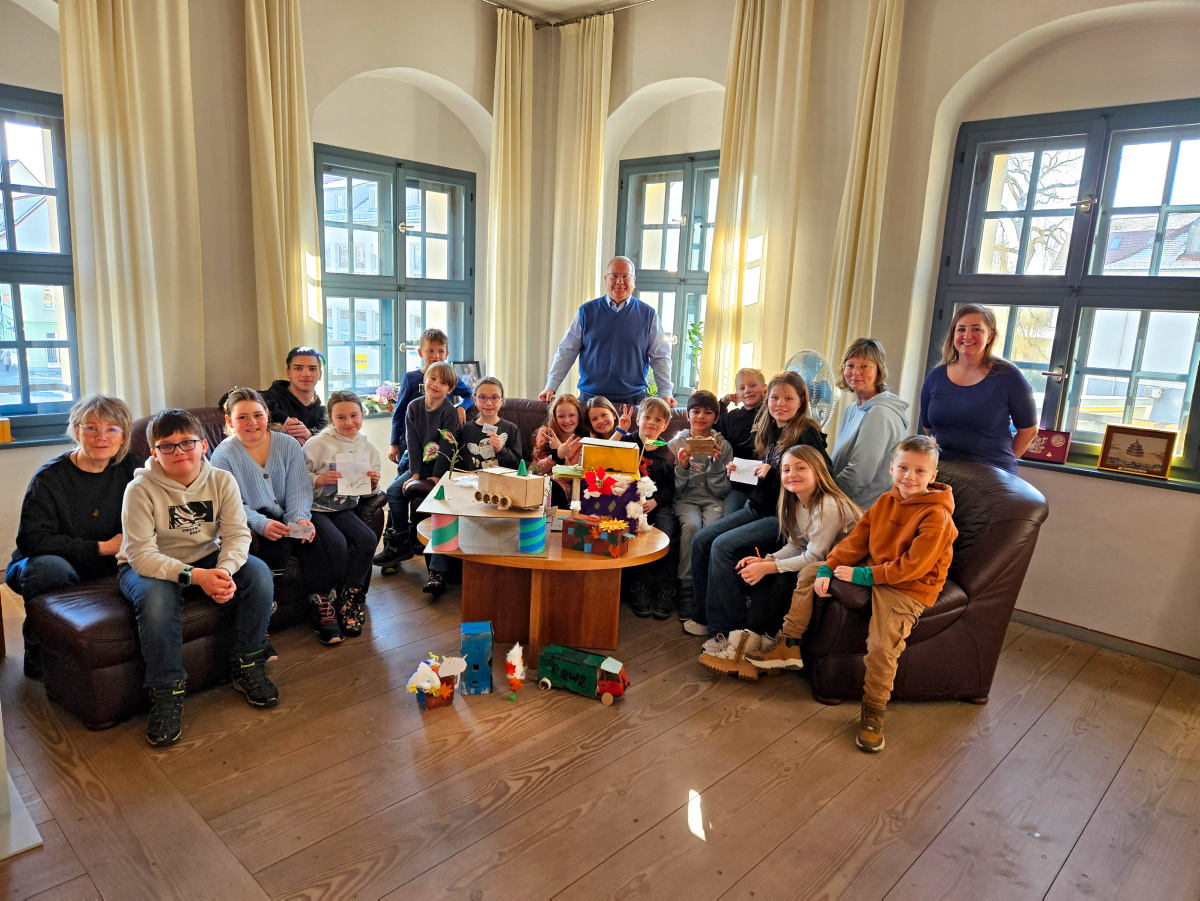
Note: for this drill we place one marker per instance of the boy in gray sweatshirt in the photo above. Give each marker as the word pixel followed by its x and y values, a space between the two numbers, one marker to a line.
pixel 701 484
pixel 184 524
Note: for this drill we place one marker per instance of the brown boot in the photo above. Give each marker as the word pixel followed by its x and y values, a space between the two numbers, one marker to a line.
pixel 870 728
pixel 776 655
pixel 731 659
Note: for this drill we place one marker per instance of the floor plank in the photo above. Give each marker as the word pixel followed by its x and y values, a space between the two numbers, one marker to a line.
pixel 453 739
pixel 1010 839
pixel 1144 839
pixel 748 812
pixel 79 889
pixel 550 846
pixel 865 838
pixel 40 869
pixel 134 834
pixel 391 847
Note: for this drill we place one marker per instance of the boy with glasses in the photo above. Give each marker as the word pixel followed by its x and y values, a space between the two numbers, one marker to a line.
pixel 184 524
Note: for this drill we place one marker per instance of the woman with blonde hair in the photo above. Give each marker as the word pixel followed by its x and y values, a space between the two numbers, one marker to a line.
pixel 870 426
pixel 70 526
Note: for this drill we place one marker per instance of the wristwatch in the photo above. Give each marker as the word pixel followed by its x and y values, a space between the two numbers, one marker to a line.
pixel 185 576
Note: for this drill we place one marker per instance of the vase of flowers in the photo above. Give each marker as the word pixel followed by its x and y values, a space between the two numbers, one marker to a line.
pixel 384 398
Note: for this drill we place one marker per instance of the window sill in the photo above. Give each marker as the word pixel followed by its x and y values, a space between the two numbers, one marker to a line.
pixel 36 442
pixel 1174 483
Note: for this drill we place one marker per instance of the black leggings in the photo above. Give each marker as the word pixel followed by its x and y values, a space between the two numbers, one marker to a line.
pixel 349 544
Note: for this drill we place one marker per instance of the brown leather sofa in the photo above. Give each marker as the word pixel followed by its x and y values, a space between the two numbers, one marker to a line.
pixel 953 650
pixel 87 636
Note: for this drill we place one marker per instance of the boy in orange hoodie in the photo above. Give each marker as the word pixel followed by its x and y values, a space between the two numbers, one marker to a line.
pixel 902 548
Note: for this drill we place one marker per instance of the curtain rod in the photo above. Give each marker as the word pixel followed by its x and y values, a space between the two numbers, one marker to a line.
pixel 540 23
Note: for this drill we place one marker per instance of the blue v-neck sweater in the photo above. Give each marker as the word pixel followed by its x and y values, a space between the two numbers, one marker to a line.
pixel 615 347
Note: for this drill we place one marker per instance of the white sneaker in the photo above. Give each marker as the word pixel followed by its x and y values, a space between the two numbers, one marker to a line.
pixel 715 645
pixel 691 627
pixel 740 642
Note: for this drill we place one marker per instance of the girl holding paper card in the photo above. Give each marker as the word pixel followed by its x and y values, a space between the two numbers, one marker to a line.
pixel 782 422
pixel 277 496
pixel 337 453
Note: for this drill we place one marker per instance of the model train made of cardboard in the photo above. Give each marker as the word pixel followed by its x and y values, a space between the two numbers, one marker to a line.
pixel 590 675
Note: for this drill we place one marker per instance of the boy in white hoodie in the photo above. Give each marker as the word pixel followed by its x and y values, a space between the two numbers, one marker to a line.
pixel 184 524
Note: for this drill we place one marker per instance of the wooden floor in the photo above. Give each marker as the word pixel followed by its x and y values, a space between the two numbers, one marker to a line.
pixel 1081 778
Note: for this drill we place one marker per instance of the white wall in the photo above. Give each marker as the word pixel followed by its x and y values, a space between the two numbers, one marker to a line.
pixel 29 56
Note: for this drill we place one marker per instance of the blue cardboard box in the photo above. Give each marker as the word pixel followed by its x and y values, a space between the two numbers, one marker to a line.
pixel 475 646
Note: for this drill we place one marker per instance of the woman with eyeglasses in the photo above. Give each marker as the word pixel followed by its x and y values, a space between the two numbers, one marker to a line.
pixel 70 527
pixel 872 424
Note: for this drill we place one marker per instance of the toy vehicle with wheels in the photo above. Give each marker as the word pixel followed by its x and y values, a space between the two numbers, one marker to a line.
pixel 506 488
pixel 585 674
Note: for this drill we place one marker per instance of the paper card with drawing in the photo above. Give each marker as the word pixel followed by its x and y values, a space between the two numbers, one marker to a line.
pixel 743 471
pixel 354 481
pixel 296 530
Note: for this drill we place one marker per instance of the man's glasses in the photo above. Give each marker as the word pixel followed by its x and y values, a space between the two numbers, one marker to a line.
pixel 113 431
pixel 185 446
pixel 619 278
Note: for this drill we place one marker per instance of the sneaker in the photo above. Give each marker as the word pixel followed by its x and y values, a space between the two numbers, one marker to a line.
pixel 324 617
pixel 272 654
pixel 166 714
pixel 639 601
pixel 351 611
pixel 691 627
pixel 396 549
pixel 250 678
pixel 730 660
pixel 436 585
pixel 870 729
pixel 664 604
pixel 775 655
pixel 687 604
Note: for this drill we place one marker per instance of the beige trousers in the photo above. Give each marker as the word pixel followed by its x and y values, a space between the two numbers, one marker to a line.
pixel 893 616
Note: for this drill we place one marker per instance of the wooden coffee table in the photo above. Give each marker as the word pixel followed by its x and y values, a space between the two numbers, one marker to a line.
pixel 565 597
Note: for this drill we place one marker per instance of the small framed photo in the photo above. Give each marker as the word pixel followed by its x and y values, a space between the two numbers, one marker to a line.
pixel 468 371
pixel 1049 446
pixel 1142 452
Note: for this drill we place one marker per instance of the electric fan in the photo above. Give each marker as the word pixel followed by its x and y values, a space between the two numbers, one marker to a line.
pixel 818 375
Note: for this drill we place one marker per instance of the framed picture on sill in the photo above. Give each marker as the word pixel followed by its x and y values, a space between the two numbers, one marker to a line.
pixel 1142 452
pixel 1049 446
pixel 468 371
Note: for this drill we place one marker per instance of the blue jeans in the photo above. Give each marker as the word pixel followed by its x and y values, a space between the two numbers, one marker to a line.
pixel 720 592
pixel 158 605
pixel 37 575
pixel 735 500
pixel 397 505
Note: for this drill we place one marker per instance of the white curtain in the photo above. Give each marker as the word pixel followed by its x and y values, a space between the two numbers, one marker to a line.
pixel 509 205
pixel 287 261
pixel 856 243
pixel 753 281
pixel 135 221
pixel 585 66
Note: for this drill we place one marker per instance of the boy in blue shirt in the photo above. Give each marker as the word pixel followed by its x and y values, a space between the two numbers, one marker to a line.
pixel 434 348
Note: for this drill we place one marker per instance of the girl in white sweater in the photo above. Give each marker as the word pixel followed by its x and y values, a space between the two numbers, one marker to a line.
pixel 349 542
pixel 814 515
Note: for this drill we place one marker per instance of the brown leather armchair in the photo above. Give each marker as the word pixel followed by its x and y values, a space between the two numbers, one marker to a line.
pixel 86 636
pixel 953 650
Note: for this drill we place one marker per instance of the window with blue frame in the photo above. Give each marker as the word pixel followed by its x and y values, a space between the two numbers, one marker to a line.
pixel 397 258
pixel 39 360
pixel 1081 232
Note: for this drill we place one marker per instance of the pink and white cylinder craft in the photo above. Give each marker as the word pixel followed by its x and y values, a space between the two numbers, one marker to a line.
pixel 444 534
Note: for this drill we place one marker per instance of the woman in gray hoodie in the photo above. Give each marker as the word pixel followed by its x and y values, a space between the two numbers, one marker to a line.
pixel 871 426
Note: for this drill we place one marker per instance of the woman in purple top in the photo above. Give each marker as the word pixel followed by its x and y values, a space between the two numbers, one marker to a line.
pixel 969 402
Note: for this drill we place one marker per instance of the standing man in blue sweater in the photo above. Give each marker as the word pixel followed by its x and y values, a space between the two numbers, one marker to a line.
pixel 616 338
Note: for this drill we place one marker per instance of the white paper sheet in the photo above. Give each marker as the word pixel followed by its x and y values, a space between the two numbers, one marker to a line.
pixel 295 530
pixel 353 467
pixel 743 471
